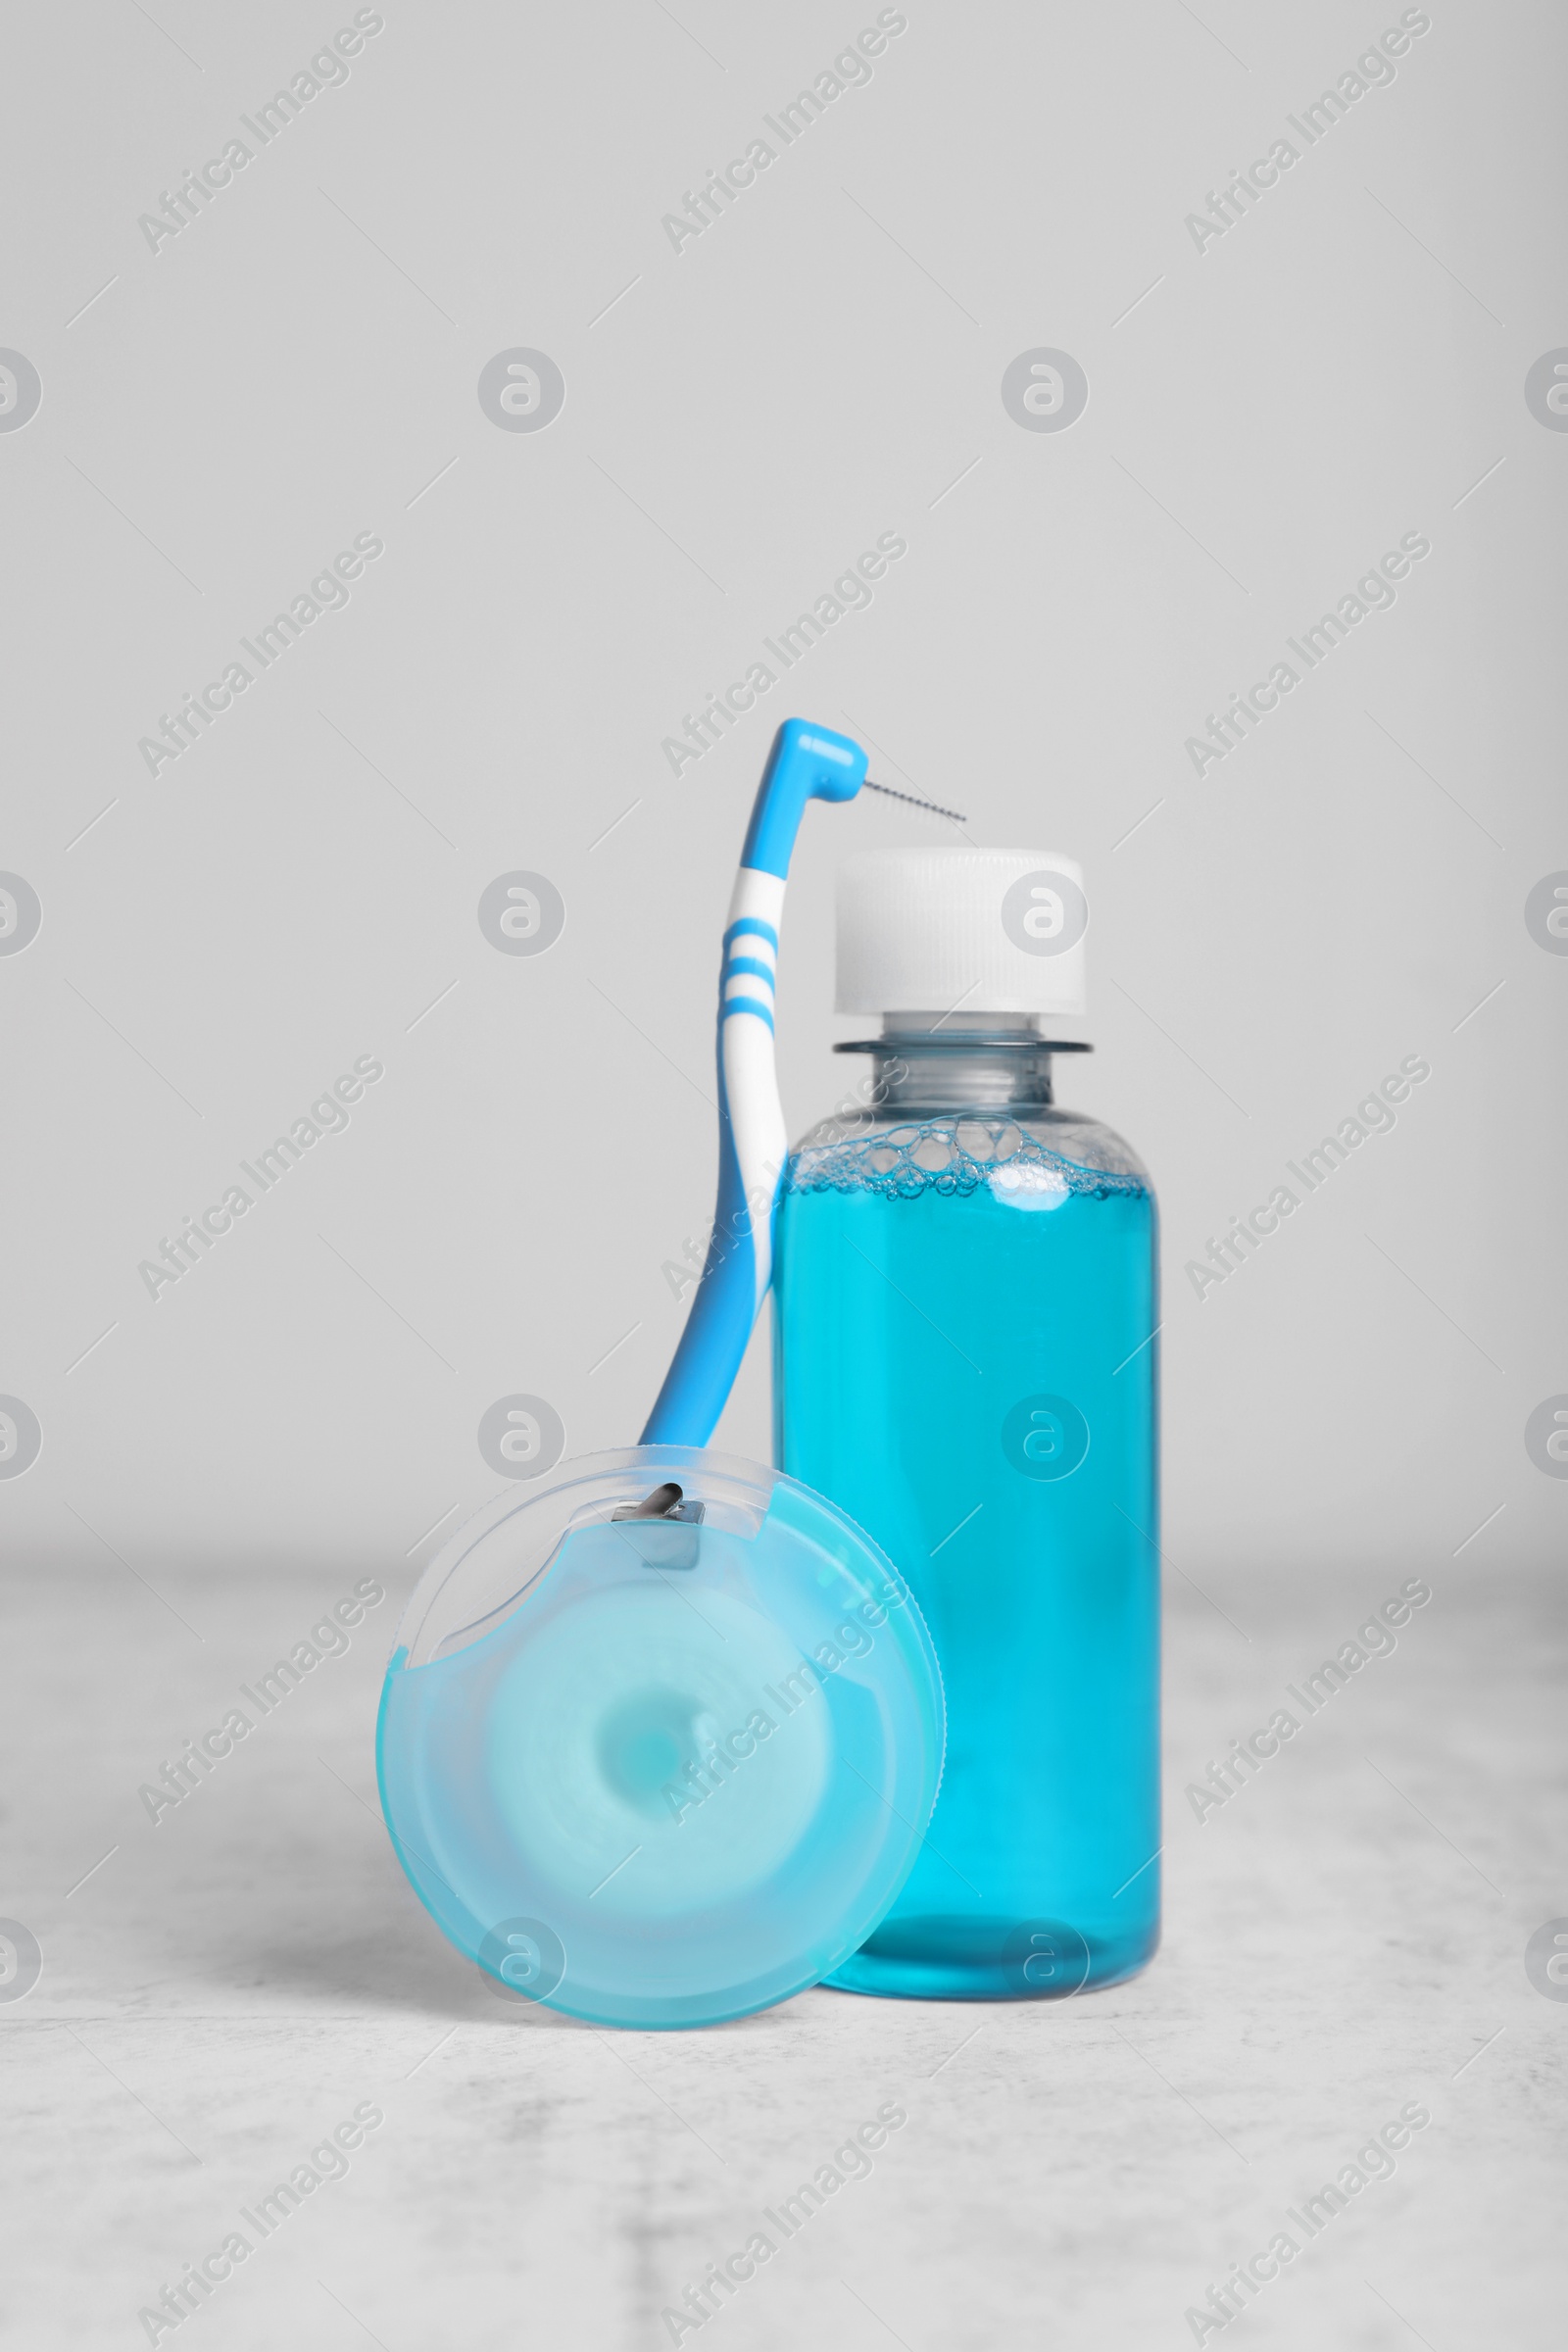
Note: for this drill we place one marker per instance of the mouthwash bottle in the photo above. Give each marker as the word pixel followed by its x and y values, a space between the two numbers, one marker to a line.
pixel 966 1291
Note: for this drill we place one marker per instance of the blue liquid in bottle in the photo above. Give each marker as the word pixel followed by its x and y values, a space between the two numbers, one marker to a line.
pixel 965 1288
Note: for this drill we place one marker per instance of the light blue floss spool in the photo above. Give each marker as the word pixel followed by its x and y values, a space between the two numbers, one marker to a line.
pixel 659 1738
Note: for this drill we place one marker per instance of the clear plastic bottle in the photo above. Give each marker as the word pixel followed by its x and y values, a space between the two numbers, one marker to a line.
pixel 966 1293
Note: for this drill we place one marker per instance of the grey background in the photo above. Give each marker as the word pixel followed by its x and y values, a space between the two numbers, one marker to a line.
pixel 302 888
pixel 303 883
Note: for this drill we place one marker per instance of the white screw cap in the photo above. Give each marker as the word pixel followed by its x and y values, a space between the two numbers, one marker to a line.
pixel 961 930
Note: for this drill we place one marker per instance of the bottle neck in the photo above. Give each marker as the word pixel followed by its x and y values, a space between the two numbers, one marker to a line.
pixel 921 1067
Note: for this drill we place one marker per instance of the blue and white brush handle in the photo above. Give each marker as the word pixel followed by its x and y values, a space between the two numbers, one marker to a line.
pixel 806 764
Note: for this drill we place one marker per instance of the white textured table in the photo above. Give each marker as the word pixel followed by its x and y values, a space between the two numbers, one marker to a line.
pixel 1345 1938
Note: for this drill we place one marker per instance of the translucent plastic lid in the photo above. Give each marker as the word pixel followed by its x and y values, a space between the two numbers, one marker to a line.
pixel 663 1769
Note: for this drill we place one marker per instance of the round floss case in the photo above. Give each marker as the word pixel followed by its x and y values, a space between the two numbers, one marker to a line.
pixel 659 1742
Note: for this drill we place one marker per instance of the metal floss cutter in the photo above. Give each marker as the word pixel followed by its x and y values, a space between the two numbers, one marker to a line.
pixel 660 1740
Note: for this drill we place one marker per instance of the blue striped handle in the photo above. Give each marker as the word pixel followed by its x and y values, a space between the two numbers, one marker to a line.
pixel 807 763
